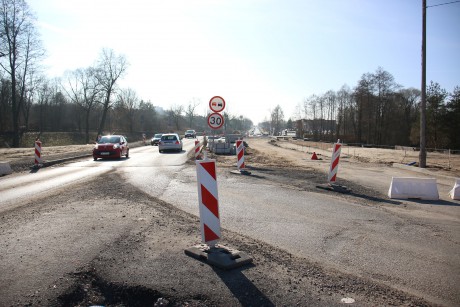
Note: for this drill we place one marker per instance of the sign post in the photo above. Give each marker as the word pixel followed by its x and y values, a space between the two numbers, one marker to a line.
pixel 208 202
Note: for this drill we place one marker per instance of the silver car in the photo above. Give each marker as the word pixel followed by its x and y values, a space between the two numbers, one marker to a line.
pixel 170 141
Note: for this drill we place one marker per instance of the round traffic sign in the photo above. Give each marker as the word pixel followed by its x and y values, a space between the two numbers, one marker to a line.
pixel 217 104
pixel 215 120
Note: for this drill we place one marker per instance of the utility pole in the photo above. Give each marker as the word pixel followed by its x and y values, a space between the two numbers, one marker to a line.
pixel 422 155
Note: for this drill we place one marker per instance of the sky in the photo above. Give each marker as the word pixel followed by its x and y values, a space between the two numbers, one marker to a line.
pixel 256 54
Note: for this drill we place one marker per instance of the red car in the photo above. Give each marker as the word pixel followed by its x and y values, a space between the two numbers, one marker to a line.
pixel 111 146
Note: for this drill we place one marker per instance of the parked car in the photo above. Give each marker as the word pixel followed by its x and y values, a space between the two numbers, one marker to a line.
pixel 190 134
pixel 170 141
pixel 156 138
pixel 111 146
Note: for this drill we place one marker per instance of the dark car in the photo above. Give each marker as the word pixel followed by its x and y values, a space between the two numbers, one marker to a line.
pixel 156 138
pixel 111 146
pixel 190 134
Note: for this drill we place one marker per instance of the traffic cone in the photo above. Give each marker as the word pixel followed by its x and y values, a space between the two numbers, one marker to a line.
pixel 314 156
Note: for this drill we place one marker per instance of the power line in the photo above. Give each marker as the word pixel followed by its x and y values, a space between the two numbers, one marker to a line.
pixel 443 3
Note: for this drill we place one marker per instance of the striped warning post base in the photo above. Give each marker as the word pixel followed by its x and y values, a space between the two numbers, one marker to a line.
pixel 240 154
pixel 334 162
pixel 197 149
pixel 38 152
pixel 208 201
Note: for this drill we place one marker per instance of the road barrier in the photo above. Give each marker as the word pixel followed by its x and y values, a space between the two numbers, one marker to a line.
pixel 5 168
pixel 455 192
pixel 209 251
pixel 197 149
pixel 240 155
pixel 208 201
pixel 38 152
pixel 334 162
pixel 412 187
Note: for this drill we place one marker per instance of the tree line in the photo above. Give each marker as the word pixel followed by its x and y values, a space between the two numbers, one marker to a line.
pixel 83 100
pixel 377 111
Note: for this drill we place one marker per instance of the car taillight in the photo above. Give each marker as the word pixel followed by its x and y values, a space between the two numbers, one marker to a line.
pixel 177 143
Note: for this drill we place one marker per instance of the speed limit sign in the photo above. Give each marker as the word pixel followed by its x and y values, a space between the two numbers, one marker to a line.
pixel 215 120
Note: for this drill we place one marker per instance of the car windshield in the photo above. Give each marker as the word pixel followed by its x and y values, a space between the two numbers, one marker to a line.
pixel 169 138
pixel 189 131
pixel 109 140
pixel 158 135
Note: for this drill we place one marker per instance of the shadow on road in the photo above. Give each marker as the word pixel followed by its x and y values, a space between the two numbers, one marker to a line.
pixel 242 288
pixel 376 199
pixel 439 202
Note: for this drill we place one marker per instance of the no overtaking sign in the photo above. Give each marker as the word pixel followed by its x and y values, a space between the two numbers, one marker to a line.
pixel 217 104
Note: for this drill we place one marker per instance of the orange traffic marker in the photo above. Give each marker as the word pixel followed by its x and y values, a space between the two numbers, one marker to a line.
pixel 314 156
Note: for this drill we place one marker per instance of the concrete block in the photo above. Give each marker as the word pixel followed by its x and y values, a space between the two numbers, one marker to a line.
pixel 5 168
pixel 455 192
pixel 232 138
pixel 219 256
pixel 412 187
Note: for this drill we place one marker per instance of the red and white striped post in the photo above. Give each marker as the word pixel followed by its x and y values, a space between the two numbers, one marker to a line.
pixel 197 149
pixel 38 152
pixel 208 201
pixel 240 154
pixel 334 162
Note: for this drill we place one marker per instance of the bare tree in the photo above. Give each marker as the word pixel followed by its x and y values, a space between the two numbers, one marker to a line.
pixel 148 116
pixel 364 101
pixel 385 87
pixel 33 83
pixel 83 89
pixel 129 103
pixel 43 101
pixel 190 112
pixel 409 99
pixel 5 104
pixel 343 97
pixel 20 44
pixel 110 68
pixel 175 114
pixel 311 111
pixel 277 119
pixel 330 99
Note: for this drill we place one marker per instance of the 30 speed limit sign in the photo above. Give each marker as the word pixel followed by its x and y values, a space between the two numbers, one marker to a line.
pixel 215 120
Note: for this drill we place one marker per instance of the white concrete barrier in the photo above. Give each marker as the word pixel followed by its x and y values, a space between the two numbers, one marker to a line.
pixel 5 168
pixel 411 187
pixel 455 192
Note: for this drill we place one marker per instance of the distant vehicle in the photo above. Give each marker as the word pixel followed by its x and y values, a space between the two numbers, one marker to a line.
pixel 190 134
pixel 156 138
pixel 170 141
pixel 111 146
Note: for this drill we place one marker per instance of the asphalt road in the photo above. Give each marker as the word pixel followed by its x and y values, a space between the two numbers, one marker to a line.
pixel 417 253
pixel 350 235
